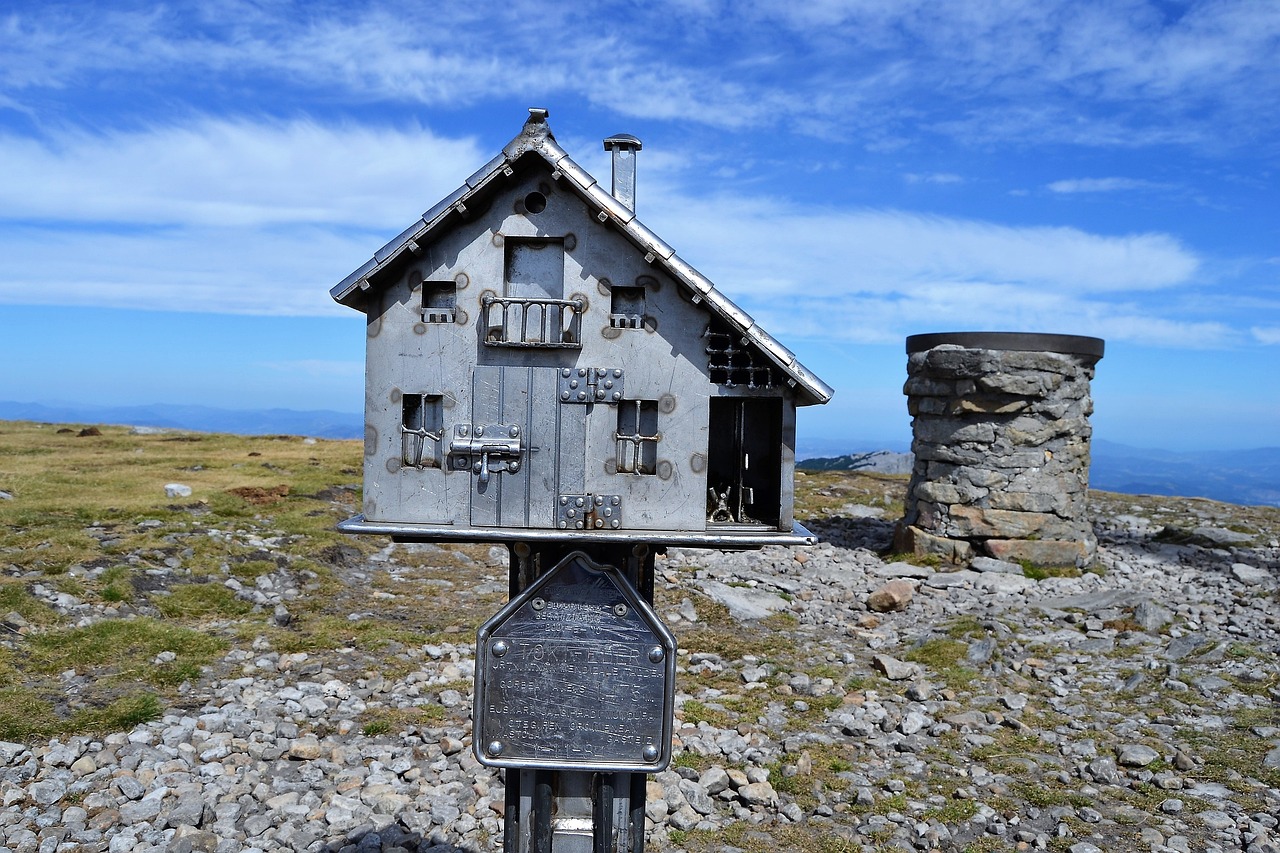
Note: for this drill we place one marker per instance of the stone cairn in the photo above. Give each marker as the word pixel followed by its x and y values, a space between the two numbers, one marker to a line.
pixel 1001 442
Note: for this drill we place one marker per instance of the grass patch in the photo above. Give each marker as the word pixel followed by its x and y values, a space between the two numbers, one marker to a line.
pixel 325 632
pixel 26 716
pixel 125 648
pixel 385 721
pixel 1237 752
pixel 14 598
pixel 696 712
pixel 944 658
pixel 1039 573
pixel 719 633
pixel 201 601
pixel 250 570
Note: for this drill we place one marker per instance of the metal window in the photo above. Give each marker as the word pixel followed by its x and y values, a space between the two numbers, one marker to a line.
pixel 626 308
pixel 421 430
pixel 439 301
pixel 733 361
pixel 637 437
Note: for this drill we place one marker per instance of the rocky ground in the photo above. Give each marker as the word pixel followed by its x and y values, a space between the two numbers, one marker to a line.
pixel 828 700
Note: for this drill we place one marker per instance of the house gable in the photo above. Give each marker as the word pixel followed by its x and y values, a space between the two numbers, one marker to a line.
pixel 535 148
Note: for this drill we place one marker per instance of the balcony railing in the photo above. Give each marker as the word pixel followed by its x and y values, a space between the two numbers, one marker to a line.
pixel 524 321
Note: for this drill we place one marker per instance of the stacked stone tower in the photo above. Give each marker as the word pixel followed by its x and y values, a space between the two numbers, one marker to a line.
pixel 1001 440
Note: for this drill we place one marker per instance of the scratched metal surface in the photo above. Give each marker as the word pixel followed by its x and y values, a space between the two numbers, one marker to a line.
pixel 575 673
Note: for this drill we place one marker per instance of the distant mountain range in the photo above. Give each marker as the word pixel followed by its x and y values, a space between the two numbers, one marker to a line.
pixel 318 423
pixel 1249 477
pixel 879 461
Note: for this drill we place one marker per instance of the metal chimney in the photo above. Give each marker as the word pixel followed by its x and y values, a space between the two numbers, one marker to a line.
pixel 624 147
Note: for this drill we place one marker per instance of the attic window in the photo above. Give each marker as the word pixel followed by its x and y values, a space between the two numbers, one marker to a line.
pixel 626 310
pixel 422 430
pixel 733 361
pixel 439 301
pixel 637 437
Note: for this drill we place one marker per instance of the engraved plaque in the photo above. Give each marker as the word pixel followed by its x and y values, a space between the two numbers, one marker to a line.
pixel 576 673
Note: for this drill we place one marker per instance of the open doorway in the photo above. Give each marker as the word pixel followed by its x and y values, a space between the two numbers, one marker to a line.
pixel 745 461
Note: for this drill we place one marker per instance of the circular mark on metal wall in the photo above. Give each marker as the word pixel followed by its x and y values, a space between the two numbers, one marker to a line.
pixel 535 202
pixel 370 508
pixel 604 286
pixel 393 464
pixel 415 278
pixel 665 470
pixel 462 280
pixel 609 333
pixel 460 317
pixel 497 239
pixel 698 463
pixel 611 466
pixel 419 328
pixel 570 242
pixel 396 395
pixel 374 327
pixel 449 401
pixel 370 440
pixel 650 323
pixel 667 404
pixel 648 282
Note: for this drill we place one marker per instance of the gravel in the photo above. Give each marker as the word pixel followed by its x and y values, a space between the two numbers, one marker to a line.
pixel 1132 708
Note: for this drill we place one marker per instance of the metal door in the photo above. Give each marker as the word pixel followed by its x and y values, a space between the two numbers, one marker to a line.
pixel 523 447
pixel 526 446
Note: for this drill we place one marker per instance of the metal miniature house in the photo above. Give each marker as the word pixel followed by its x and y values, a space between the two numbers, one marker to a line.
pixel 539 363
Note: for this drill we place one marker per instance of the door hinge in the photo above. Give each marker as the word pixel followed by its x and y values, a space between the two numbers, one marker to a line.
pixel 589 512
pixel 590 384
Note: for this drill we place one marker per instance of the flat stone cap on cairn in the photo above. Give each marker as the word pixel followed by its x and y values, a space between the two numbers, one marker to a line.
pixel 1000 433
pixel 1010 341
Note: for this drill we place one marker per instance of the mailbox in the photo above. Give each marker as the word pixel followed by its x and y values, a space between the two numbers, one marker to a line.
pixel 544 371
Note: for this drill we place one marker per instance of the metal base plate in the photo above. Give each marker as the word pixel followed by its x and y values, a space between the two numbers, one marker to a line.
pixel 725 537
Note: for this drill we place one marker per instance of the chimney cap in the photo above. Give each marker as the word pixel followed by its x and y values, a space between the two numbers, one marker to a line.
pixel 622 142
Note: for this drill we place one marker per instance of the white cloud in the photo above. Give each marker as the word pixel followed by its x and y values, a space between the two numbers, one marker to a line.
pixel 933 178
pixel 764 246
pixel 220 172
pixel 1123 74
pixel 1269 335
pixel 276 271
pixel 1102 185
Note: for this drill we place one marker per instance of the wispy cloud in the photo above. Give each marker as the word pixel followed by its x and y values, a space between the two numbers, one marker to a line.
pixel 763 246
pixel 825 68
pixel 1103 185
pixel 933 178
pixel 1269 335
pixel 220 172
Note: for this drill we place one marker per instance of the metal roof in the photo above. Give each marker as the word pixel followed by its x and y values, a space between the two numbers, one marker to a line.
pixel 536 138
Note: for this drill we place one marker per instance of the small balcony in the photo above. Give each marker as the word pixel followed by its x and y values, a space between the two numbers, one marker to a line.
pixel 533 322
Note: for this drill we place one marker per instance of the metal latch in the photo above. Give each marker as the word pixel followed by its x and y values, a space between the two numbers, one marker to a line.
pixel 590 384
pixel 484 448
pixel 589 512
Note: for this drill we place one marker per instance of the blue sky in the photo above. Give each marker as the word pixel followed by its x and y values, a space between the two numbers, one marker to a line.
pixel 181 184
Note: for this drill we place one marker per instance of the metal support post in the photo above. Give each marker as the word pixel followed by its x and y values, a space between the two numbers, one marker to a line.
pixel 565 811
